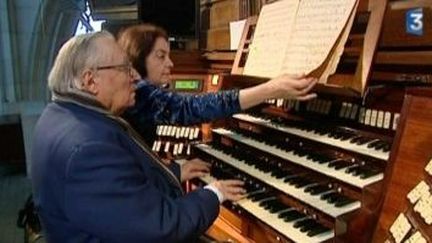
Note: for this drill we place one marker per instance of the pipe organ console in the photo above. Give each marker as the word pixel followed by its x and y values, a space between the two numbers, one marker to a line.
pixel 318 171
pixel 314 170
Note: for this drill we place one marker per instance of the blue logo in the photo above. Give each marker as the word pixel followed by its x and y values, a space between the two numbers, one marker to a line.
pixel 414 21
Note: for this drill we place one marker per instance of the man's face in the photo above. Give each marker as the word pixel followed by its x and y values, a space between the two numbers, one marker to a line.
pixel 114 78
pixel 158 63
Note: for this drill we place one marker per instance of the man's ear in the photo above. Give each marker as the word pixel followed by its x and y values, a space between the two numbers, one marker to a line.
pixel 89 83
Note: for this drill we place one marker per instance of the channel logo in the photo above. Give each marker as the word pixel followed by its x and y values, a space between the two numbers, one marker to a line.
pixel 414 21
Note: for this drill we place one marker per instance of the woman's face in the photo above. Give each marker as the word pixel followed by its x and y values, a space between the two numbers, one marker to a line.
pixel 158 63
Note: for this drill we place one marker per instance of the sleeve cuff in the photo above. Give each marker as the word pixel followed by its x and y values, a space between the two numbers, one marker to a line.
pixel 216 191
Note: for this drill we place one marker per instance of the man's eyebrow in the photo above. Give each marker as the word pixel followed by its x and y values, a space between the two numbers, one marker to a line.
pixel 161 50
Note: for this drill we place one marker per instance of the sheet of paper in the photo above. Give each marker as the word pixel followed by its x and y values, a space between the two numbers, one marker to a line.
pixel 236 31
pixel 271 38
pixel 318 25
pixel 338 50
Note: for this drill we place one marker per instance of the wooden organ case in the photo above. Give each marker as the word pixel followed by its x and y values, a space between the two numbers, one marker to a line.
pixel 317 171
pixel 407 212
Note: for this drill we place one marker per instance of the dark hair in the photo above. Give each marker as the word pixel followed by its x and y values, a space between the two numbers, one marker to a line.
pixel 138 41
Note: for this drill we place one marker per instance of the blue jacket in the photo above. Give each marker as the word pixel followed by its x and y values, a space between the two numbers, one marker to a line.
pixel 93 183
pixel 155 106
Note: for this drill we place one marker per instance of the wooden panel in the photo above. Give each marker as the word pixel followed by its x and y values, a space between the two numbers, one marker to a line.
pixel 409 159
pixel 394 33
pixel 218 39
pixel 188 62
pixel 224 232
pixel 223 12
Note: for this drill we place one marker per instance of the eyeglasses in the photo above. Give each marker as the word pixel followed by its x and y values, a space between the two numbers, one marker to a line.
pixel 126 67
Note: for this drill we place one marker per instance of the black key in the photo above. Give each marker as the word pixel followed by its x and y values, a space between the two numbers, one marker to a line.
pixel 318 230
pixel 373 143
pixel 309 226
pixel 266 204
pixel 382 145
pixel 347 135
pixel 339 164
pixel 283 214
pixel 300 152
pixel 291 178
pixel 355 139
pixel 328 195
pixel 277 207
pixel 353 169
pixel 333 197
pixel 302 183
pixel 343 200
pixel 302 223
pixel 293 215
pixel 363 140
pixel 317 189
pixel 258 196
pixel 366 173
pixel 278 173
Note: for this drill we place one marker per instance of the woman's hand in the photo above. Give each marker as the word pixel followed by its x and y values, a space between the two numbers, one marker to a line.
pixel 193 169
pixel 291 87
pixel 283 87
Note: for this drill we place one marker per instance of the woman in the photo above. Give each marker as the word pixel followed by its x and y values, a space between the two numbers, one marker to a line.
pixel 148 49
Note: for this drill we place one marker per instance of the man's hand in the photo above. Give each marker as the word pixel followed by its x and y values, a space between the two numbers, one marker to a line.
pixel 231 189
pixel 193 169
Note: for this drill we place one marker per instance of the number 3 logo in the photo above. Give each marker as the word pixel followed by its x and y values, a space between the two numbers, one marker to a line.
pixel 414 21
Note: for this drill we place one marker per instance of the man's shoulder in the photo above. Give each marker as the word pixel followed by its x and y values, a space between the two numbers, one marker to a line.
pixel 76 122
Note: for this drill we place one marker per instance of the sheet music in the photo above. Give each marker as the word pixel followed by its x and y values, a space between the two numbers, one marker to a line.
pixel 236 30
pixel 271 37
pixel 294 36
pixel 318 25
pixel 338 50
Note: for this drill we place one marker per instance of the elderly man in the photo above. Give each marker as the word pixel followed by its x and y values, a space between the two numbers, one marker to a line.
pixel 94 180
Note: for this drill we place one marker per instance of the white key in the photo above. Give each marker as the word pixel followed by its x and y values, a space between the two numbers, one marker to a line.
pixel 175 149
pixel 196 132
pixel 167 147
pixel 180 149
pixel 154 146
pixel 158 146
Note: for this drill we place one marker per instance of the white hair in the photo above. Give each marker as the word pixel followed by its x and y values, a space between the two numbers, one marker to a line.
pixel 77 54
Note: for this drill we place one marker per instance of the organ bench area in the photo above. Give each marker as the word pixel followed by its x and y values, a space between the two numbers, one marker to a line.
pixel 318 171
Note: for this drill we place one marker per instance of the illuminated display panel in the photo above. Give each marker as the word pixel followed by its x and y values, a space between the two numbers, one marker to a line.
pixel 187 84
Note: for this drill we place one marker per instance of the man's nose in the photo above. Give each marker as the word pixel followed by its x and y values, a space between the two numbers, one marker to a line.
pixel 170 63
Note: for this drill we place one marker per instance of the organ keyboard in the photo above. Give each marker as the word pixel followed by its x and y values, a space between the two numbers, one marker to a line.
pixel 300 187
pixel 341 138
pixel 334 167
pixel 336 185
